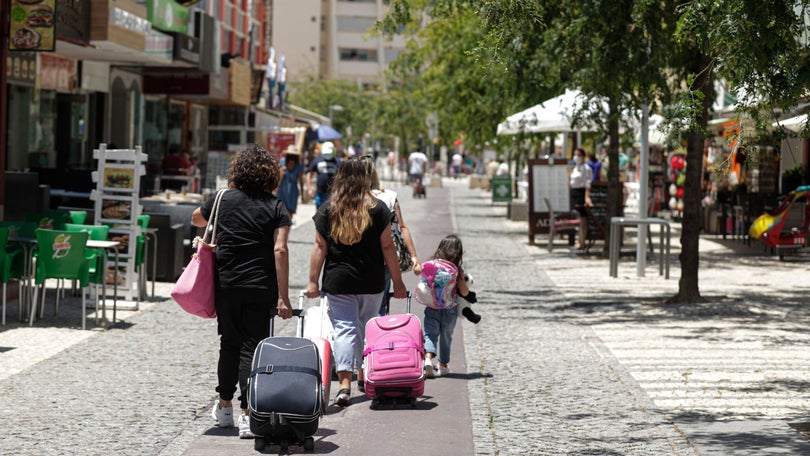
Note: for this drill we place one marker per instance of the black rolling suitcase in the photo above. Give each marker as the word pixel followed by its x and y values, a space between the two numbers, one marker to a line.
pixel 285 393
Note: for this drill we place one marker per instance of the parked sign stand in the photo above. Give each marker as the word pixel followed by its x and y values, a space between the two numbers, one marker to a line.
pixel 548 179
pixel 117 204
pixel 501 188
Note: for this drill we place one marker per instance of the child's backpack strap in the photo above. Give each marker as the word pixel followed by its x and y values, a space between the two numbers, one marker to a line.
pixel 437 284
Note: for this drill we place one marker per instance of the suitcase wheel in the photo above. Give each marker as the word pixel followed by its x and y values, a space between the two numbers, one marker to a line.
pixel 309 444
pixel 413 402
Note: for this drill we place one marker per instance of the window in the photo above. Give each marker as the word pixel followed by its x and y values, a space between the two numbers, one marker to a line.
pixel 358 55
pixel 354 24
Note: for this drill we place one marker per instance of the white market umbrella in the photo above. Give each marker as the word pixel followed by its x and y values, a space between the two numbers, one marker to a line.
pixel 554 115
pixel 794 124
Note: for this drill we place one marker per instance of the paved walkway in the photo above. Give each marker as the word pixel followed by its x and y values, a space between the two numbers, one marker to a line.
pixel 565 361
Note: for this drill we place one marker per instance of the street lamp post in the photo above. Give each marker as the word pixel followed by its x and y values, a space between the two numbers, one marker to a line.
pixel 334 107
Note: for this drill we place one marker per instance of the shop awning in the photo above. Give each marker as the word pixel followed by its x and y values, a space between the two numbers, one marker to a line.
pixel 795 124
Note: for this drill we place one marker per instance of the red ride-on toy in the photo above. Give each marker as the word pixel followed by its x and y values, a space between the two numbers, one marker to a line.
pixel 770 227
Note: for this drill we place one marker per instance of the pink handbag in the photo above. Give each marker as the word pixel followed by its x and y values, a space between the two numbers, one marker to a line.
pixel 194 289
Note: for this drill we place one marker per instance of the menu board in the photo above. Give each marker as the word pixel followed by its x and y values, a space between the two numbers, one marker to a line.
pixel 550 181
pixel 32 25
pixel 548 178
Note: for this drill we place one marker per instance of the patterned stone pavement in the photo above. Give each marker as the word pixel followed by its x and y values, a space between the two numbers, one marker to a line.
pixel 565 361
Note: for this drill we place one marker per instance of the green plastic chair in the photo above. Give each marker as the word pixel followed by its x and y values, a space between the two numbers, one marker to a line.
pixel 50 220
pixel 10 266
pixel 60 255
pixel 143 221
pixel 20 229
pixel 96 232
pixel 78 217
pixel 95 256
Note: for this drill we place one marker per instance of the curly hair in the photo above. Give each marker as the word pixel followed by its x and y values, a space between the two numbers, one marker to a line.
pixel 254 171
pixel 350 201
pixel 450 249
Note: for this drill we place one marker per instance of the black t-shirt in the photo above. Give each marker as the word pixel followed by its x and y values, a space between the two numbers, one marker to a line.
pixel 245 229
pixel 326 170
pixel 358 268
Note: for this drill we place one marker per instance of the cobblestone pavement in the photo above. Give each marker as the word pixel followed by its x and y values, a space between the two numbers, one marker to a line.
pixel 730 373
pixel 548 386
pixel 135 389
pixel 565 361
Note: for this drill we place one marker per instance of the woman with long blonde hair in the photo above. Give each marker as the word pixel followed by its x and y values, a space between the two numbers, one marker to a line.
pixel 353 246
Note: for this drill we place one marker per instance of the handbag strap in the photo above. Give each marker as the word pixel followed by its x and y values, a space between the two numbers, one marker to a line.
pixel 212 222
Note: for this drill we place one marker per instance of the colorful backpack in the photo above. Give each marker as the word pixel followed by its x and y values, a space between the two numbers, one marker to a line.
pixel 437 284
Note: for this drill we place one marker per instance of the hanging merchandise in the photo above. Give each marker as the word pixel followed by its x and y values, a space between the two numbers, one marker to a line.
pixel 677 177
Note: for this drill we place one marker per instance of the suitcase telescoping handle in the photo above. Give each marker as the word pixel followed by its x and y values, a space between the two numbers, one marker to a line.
pixel 302 295
pixel 296 313
pixel 388 303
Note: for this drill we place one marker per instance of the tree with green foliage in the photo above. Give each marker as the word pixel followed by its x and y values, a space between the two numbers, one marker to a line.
pixel 643 51
pixel 361 106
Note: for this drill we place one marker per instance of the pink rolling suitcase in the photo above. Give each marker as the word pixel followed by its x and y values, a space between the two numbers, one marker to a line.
pixel 394 356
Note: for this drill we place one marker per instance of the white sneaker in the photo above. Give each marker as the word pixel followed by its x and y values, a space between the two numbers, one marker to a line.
pixel 442 371
pixel 430 371
pixel 244 427
pixel 222 415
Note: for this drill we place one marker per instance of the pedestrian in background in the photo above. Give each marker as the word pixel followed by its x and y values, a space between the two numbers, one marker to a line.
pixel 174 163
pixel 324 168
pixel 596 166
pixel 252 272
pixel 292 180
pixel 455 165
pixel 352 245
pixel 417 166
pixel 441 323
pixel 580 183
pixel 389 197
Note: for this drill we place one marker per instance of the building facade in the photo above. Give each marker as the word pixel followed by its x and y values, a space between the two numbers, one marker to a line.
pixel 332 39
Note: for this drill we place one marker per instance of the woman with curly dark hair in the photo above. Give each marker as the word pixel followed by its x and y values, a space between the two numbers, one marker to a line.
pixel 252 271
pixel 353 246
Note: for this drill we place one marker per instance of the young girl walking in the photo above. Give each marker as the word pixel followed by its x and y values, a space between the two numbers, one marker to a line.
pixel 440 323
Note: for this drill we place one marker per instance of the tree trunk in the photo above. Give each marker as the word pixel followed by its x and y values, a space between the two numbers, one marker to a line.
pixel 688 291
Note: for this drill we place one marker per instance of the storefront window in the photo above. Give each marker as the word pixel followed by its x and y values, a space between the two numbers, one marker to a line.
pixel 41 136
pixel 176 119
pixel 154 129
pixel 220 139
pixel 23 125
pixel 70 128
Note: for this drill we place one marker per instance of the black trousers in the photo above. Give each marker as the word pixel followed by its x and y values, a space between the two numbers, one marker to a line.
pixel 243 320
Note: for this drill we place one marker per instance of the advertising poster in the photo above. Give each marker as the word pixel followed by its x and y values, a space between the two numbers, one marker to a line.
pixel 115 209
pixel 32 25
pixel 277 142
pixel 119 178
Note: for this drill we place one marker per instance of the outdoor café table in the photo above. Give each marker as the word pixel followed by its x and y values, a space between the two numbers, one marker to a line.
pixel 150 238
pixel 28 244
pixel 107 247
pixel 615 241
